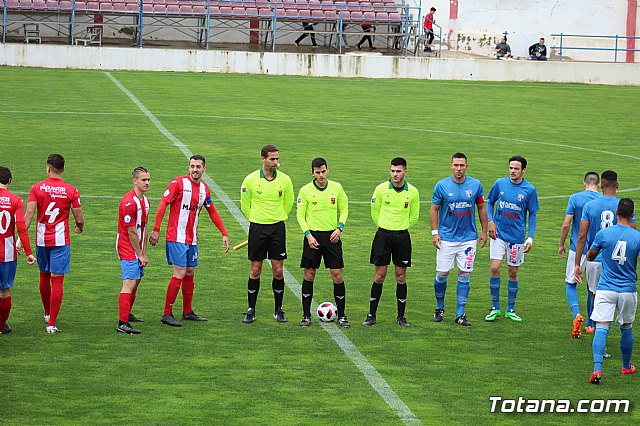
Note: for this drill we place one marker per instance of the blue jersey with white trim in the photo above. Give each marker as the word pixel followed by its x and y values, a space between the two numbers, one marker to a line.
pixel 457 201
pixel 512 202
pixel 574 208
pixel 619 248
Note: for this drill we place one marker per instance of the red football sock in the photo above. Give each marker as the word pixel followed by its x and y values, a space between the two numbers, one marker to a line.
pixel 172 293
pixel 5 308
pixel 45 290
pixel 56 298
pixel 187 294
pixel 133 298
pixel 124 303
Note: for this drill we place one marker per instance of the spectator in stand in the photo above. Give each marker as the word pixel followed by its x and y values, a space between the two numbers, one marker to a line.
pixel 503 50
pixel 368 29
pixel 538 51
pixel 307 26
pixel 429 20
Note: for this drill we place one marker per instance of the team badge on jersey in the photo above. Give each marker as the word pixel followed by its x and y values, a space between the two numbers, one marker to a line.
pixel 244 189
pixel 406 204
pixel 468 193
pixel 373 200
pixel 280 193
pixel 520 197
pixel 333 200
pixel 299 200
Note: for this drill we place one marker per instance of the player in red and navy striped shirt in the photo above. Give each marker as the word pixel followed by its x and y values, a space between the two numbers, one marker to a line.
pixel 186 195
pixel 132 231
pixel 11 217
pixel 54 199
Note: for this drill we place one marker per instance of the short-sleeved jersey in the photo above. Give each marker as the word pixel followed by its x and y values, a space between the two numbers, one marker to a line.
pixel 55 200
pixel 185 199
pixel 11 211
pixel 601 214
pixel 428 21
pixel 393 209
pixel 318 207
pixel 133 212
pixel 574 208
pixel 266 201
pixel 457 201
pixel 619 248
pixel 512 202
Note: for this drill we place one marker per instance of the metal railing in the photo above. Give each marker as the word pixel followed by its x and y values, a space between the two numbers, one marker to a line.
pixel 403 25
pixel 562 47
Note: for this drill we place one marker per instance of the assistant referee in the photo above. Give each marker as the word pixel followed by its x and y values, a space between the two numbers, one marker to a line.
pixel 266 199
pixel 323 208
pixel 395 207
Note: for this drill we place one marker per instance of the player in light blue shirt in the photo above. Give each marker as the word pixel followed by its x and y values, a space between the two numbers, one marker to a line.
pixel 572 220
pixel 618 247
pixel 597 214
pixel 513 199
pixel 454 234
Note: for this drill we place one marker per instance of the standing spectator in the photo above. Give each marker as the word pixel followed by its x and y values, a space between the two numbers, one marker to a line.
pixel 429 20
pixel 186 195
pixel 503 50
pixel 538 51
pixel 266 199
pixel 307 26
pixel 368 29
pixel 11 218
pixel 133 217
pixel 395 207
pixel 54 199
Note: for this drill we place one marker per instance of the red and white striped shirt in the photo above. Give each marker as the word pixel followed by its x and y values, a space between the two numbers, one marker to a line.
pixel 133 212
pixel 11 211
pixel 186 200
pixel 55 200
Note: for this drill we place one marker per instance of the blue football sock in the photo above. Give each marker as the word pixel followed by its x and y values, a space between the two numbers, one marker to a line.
pixel 494 286
pixel 599 345
pixel 462 292
pixel 590 322
pixel 513 292
pixel 572 298
pixel 626 345
pixel 440 288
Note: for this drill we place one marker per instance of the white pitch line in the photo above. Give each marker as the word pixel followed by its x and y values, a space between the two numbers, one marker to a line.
pixel 333 123
pixel 372 375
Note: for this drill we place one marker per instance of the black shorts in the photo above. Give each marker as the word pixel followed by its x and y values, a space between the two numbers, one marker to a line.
pixel 388 243
pixel 267 241
pixel 332 253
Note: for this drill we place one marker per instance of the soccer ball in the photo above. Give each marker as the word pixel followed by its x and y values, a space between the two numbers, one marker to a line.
pixel 327 312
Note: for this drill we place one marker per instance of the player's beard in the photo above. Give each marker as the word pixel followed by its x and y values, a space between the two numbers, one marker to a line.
pixel 195 176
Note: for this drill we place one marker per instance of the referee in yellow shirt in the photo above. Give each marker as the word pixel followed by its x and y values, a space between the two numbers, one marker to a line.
pixel 319 204
pixel 395 207
pixel 266 199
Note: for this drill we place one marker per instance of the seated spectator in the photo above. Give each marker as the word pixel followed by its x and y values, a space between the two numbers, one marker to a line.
pixel 367 28
pixel 538 51
pixel 503 50
pixel 429 20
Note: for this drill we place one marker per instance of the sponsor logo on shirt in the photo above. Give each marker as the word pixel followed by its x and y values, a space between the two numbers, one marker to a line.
pixel 54 191
pixel 190 207
pixel 5 200
pixel 508 205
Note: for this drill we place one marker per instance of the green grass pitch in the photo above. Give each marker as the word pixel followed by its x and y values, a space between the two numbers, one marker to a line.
pixel 225 372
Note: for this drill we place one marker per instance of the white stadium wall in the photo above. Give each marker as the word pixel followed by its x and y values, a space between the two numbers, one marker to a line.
pixel 525 21
pixel 332 65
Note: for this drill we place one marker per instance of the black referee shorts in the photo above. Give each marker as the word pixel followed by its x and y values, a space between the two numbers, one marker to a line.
pixel 332 253
pixel 391 243
pixel 267 241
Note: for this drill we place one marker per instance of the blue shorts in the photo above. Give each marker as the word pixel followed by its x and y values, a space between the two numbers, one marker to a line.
pixel 131 269
pixel 54 259
pixel 182 255
pixel 7 274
